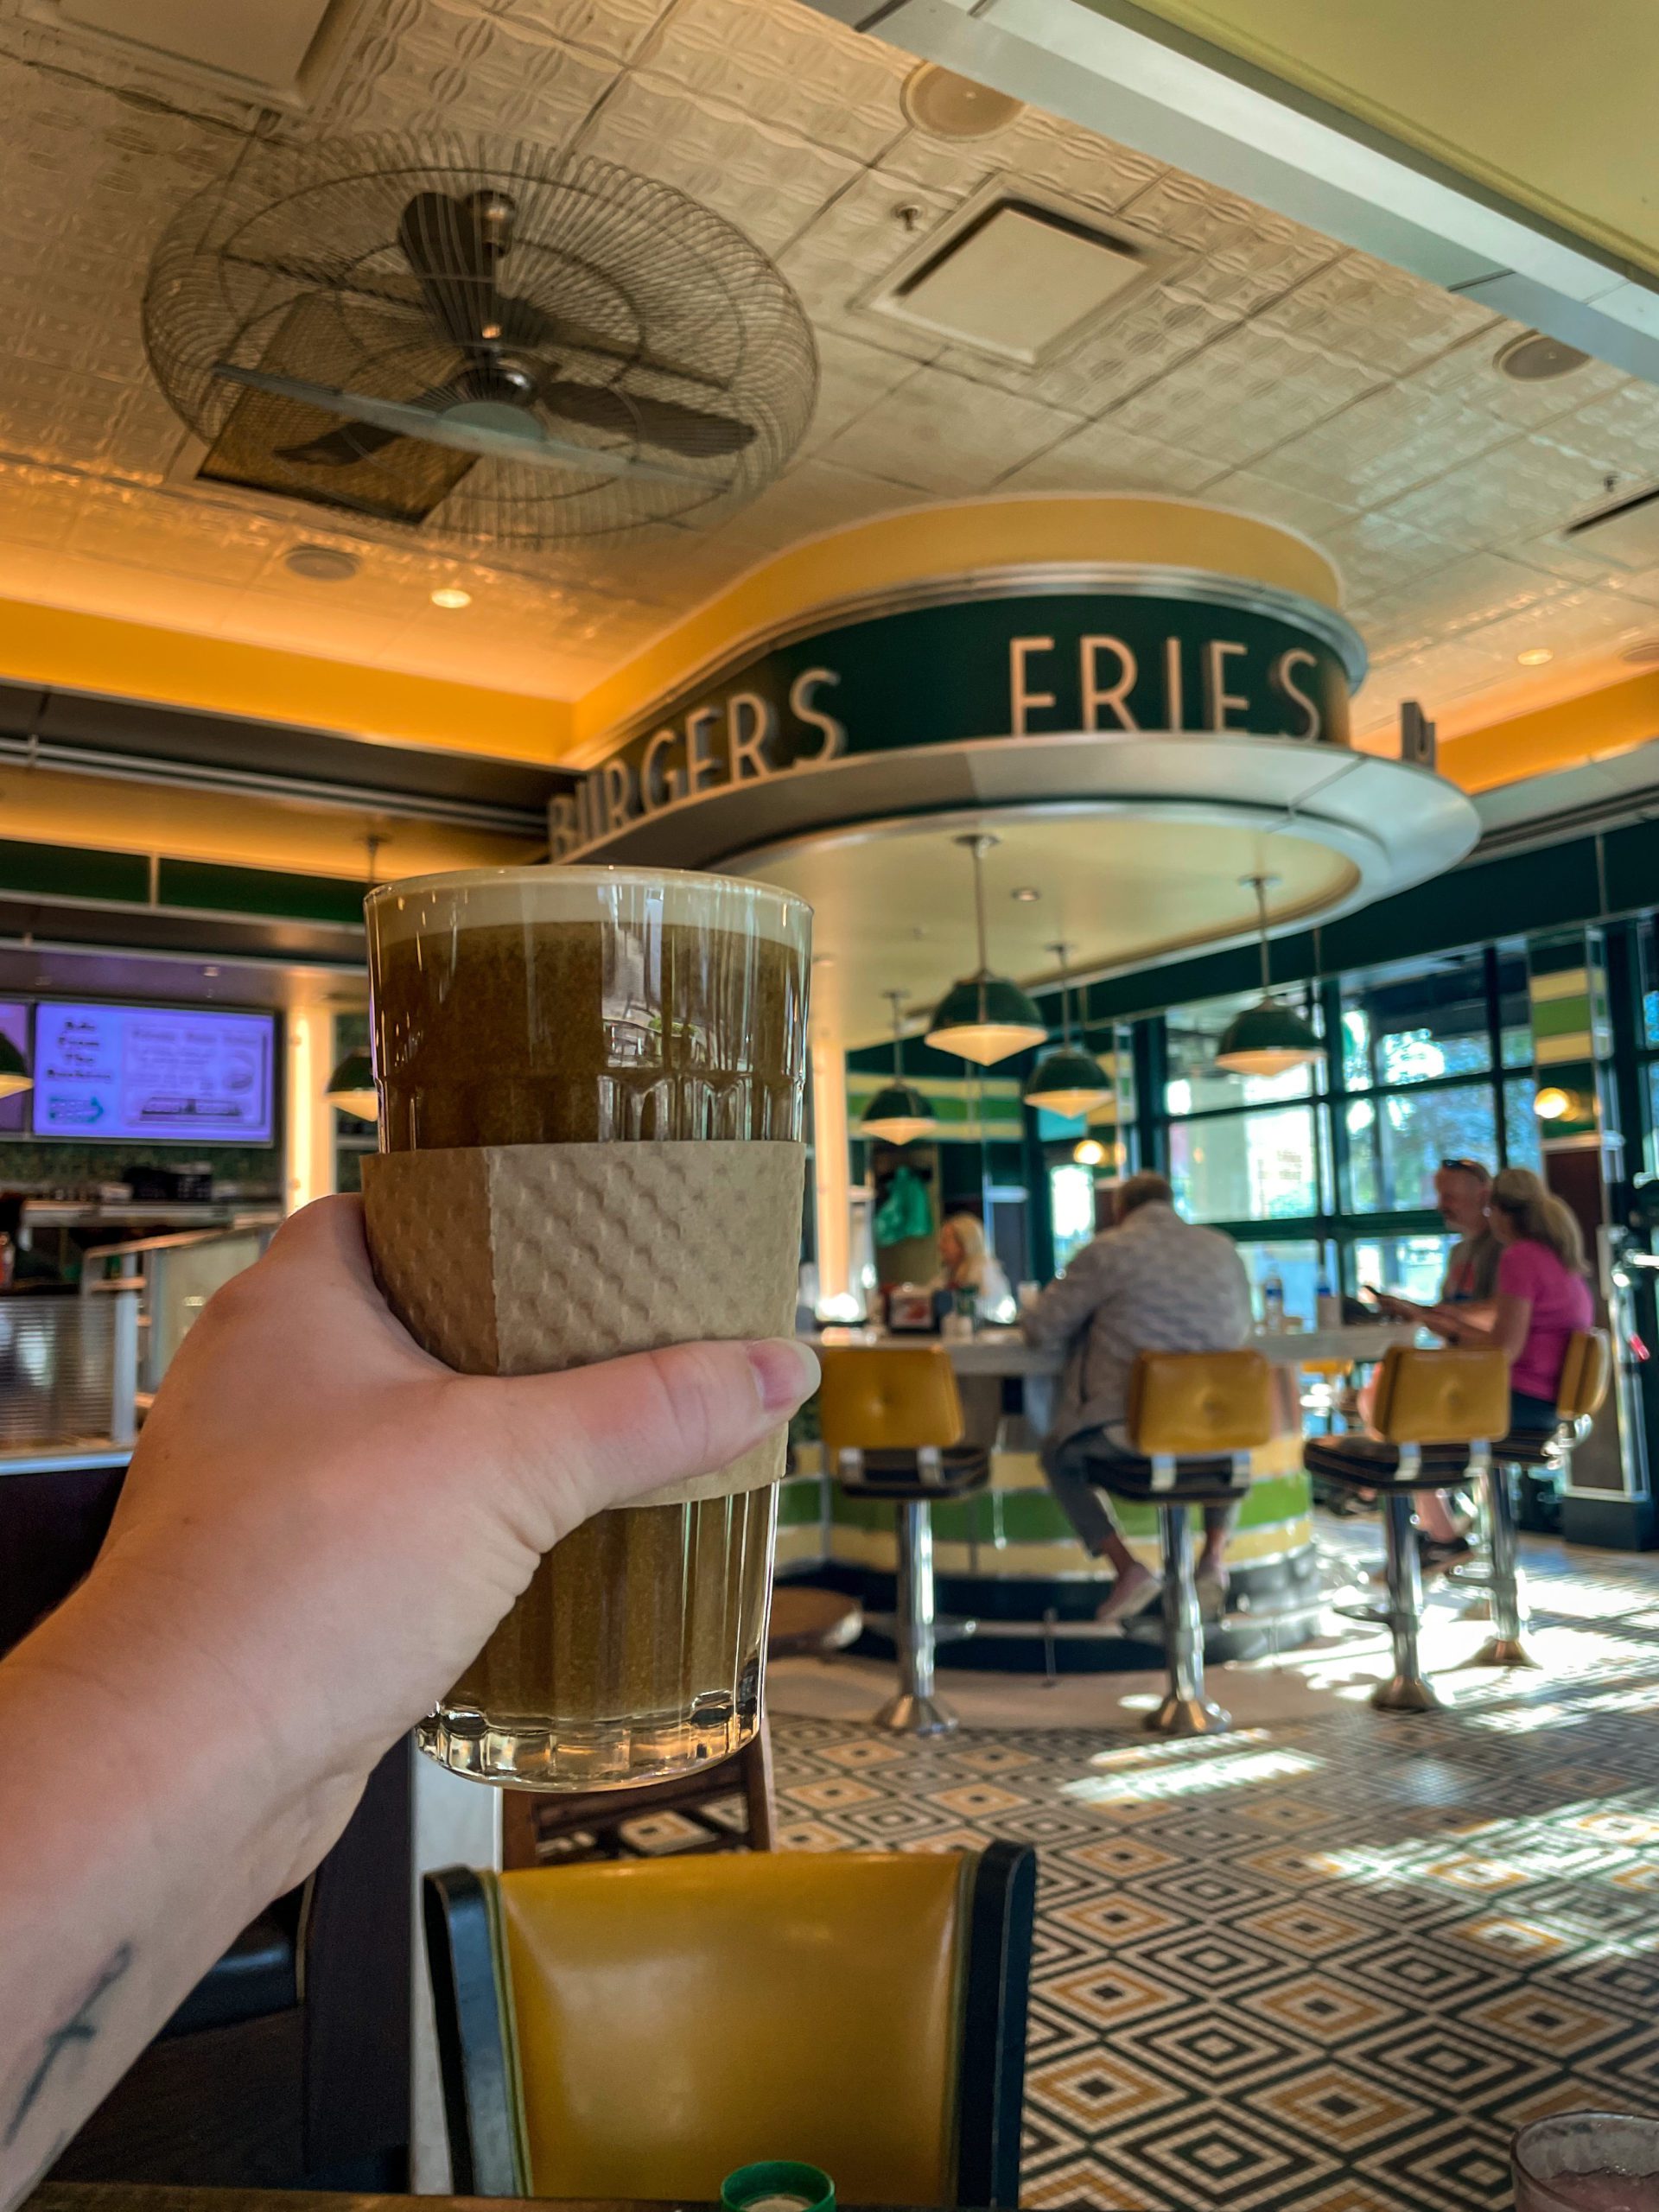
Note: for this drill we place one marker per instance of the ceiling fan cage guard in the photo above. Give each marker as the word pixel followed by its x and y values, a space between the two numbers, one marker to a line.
pixel 515 346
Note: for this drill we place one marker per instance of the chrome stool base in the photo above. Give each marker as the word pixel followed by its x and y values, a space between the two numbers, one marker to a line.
pixel 1187 1715
pixel 1405 1694
pixel 910 1714
pixel 1505 1652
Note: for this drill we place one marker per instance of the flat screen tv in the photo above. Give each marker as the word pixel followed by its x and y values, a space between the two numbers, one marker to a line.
pixel 156 1074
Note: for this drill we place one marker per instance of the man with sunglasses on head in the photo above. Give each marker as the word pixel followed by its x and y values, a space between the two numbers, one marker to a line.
pixel 1462 1190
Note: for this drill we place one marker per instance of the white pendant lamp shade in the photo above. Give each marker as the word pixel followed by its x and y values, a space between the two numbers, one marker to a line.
pixel 985 1018
pixel 1068 1080
pixel 898 1113
pixel 1265 1038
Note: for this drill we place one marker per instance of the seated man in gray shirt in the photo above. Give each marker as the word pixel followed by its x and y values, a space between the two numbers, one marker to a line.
pixel 1150 1283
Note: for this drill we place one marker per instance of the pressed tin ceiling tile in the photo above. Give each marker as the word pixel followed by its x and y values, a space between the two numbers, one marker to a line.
pixel 764 179
pixel 939 433
pixel 1533 483
pixel 1389 320
pixel 1385 445
pixel 852 376
pixel 1251 391
pixel 1103 457
pixel 745 54
pixel 1375 553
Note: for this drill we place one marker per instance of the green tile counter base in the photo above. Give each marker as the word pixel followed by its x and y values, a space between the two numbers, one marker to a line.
pixel 1006 1558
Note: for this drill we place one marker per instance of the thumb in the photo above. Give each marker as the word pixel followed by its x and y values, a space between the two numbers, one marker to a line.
pixel 596 1436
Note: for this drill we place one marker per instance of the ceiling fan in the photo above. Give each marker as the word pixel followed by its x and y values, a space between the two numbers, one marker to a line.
pixel 536 348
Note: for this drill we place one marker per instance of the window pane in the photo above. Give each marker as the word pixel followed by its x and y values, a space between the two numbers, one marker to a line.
pixel 1513 1005
pixel 1297 1266
pixel 1072 1210
pixel 1192 1036
pixel 1415 1133
pixel 1363 1192
pixel 1413 1267
pixel 1257 1167
pixel 1416 1020
pixel 1520 1131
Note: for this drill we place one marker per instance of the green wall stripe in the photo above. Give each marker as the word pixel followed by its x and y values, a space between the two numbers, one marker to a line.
pixel 73 872
pixel 205 884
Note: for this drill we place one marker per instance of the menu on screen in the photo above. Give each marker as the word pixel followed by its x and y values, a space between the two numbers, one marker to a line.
pixel 171 1075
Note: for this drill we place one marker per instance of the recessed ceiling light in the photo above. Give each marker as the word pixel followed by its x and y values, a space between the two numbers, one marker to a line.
pixel 1644 655
pixel 451 595
pixel 320 564
pixel 1533 358
pixel 1024 893
pixel 209 973
pixel 1535 656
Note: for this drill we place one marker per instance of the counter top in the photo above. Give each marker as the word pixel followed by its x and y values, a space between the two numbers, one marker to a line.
pixel 1005 1351
pixel 156 2196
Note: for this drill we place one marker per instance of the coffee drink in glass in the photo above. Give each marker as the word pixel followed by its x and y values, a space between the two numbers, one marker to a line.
pixel 554 1006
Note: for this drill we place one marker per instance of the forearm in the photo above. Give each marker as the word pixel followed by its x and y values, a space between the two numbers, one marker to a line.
pixel 117 1755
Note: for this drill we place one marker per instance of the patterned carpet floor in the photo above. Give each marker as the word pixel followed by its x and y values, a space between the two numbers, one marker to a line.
pixel 1328 1963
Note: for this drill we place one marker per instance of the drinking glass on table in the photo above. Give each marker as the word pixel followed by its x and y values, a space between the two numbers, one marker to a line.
pixel 1586 2162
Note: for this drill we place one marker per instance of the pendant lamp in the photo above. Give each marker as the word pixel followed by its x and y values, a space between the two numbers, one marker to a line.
pixel 1267 1039
pixel 14 1071
pixel 1068 1080
pixel 984 1017
pixel 898 1113
pixel 350 1087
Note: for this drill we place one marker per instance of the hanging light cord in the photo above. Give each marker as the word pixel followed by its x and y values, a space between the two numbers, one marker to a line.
pixel 1259 884
pixel 979 847
pixel 898 998
pixel 1060 951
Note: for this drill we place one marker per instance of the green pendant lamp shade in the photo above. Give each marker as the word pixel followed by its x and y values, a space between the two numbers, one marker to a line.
pixel 898 1113
pixel 1068 1080
pixel 1267 1039
pixel 14 1069
pixel 985 1018
pixel 350 1087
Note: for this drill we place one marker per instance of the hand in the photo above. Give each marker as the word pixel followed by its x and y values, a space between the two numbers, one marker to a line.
pixel 330 1522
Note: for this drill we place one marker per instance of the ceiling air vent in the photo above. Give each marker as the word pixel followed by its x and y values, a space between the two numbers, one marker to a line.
pixel 1625 532
pixel 1018 276
pixel 276 53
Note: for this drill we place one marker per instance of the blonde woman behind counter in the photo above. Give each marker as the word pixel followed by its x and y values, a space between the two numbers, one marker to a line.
pixel 966 1265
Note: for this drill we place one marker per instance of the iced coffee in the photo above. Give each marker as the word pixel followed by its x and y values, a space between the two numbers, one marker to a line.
pixel 554 1006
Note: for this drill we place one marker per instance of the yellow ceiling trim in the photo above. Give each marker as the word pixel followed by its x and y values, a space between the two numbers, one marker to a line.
pixel 45 806
pixel 956 539
pixel 133 660
pixel 1565 735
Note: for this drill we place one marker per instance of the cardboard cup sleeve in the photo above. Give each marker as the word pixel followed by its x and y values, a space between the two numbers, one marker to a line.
pixel 525 1259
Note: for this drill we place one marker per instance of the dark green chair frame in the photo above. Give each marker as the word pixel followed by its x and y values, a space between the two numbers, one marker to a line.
pixel 479 2094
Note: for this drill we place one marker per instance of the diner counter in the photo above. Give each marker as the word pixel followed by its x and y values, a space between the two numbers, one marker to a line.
pixel 1005 1351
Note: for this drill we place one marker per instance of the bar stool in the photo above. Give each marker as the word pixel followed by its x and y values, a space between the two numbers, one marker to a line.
pixel 1435 1414
pixel 1587 1373
pixel 891 1417
pixel 1194 1417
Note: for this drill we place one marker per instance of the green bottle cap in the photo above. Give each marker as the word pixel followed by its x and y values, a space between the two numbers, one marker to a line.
pixel 778 2185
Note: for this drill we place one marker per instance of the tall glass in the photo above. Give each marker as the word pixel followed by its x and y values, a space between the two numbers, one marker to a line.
pixel 582 1006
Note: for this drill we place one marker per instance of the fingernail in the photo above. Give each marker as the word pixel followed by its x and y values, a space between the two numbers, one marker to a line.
pixel 785 1372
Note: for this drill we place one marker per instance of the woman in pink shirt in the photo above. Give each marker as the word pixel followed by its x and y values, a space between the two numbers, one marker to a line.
pixel 1542 1296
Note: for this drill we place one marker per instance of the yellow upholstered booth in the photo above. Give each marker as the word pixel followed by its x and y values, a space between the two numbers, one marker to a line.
pixel 641 2029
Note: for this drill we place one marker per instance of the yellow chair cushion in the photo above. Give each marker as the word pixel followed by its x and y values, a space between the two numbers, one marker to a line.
pixel 1191 1404
pixel 1458 1395
pixel 888 1398
pixel 1587 1373
pixel 674 2020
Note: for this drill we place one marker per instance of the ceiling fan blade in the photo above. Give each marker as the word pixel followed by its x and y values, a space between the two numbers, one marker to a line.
pixel 688 430
pixel 360 440
pixel 453 250
pixel 402 419
pixel 559 333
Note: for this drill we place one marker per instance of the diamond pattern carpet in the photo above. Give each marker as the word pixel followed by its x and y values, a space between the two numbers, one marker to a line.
pixel 1329 1964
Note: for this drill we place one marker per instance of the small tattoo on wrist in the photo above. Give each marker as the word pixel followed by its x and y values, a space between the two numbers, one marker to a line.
pixel 73 2034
